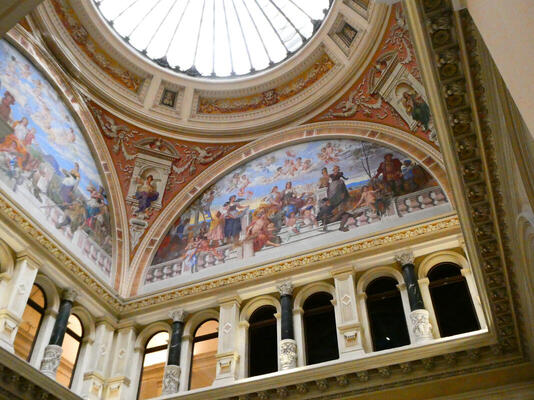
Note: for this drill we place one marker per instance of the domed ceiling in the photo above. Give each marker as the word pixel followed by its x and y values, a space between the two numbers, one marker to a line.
pixel 180 153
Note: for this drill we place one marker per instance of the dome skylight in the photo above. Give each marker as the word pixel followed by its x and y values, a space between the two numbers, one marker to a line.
pixel 215 38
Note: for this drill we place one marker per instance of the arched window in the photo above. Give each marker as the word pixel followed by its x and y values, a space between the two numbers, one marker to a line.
pixel 386 314
pixel 30 324
pixel 71 349
pixel 154 359
pixel 452 302
pixel 203 361
pixel 262 342
pixel 320 330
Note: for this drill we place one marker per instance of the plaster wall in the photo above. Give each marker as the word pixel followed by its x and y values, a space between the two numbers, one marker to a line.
pixel 507 30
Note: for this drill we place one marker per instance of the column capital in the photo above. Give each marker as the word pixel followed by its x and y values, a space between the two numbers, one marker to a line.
pixel 405 258
pixel 285 288
pixel 69 295
pixel 178 315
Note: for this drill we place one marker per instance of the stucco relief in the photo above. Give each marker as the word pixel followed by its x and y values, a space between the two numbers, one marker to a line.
pixel 268 97
pixel 390 91
pixel 92 50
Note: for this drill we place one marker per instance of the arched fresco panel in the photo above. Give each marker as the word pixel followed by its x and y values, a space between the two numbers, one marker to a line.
pixel 46 166
pixel 293 200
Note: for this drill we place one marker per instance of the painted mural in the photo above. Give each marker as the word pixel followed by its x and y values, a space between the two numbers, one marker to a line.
pixel 46 166
pixel 293 200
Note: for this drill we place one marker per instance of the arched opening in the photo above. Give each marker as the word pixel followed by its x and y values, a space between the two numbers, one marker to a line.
pixel 203 360
pixel 154 359
pixel 72 344
pixel 453 305
pixel 386 314
pixel 262 342
pixel 30 324
pixel 320 331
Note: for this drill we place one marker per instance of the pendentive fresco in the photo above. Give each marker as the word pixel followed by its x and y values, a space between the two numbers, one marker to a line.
pixel 46 166
pixel 292 200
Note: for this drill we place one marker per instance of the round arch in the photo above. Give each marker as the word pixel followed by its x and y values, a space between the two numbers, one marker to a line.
pixel 256 303
pixel 379 272
pixel 148 332
pixel 197 319
pixel 7 260
pixel 396 139
pixel 440 257
pixel 310 289
pixel 50 291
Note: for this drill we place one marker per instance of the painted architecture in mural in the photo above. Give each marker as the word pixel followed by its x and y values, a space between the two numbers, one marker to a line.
pixel 292 200
pixel 46 166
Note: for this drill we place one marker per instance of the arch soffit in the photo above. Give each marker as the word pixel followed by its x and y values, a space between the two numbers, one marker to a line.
pixel 256 303
pixel 87 321
pixel 73 100
pixel 404 142
pixel 439 257
pixel 197 319
pixel 148 332
pixel 379 272
pixel 50 291
pixel 312 288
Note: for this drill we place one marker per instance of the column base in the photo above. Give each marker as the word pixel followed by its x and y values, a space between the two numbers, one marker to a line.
pixel 51 359
pixel 171 379
pixel 421 326
pixel 226 368
pixel 288 354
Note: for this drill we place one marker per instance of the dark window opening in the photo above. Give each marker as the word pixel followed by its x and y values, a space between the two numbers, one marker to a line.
pixel 386 314
pixel 262 342
pixel 453 305
pixel 320 329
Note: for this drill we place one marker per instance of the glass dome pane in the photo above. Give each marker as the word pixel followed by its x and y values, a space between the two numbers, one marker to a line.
pixel 215 38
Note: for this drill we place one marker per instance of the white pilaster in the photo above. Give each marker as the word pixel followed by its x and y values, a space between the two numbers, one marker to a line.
pixel 227 352
pixel 98 362
pixel 45 331
pixel 348 323
pixel 124 365
pixel 14 294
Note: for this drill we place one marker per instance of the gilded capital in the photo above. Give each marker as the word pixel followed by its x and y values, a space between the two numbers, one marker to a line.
pixel 70 295
pixel 285 288
pixel 177 315
pixel 405 258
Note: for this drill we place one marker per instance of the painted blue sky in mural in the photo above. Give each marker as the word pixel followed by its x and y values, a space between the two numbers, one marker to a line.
pixel 57 134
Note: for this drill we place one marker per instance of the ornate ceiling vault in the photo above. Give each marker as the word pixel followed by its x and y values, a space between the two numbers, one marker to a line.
pixel 371 75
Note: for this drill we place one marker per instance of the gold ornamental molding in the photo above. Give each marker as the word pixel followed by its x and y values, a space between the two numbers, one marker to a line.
pixel 446 46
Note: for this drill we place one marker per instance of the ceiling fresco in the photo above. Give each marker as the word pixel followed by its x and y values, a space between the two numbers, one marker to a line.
pixel 46 166
pixel 151 169
pixel 390 91
pixel 300 198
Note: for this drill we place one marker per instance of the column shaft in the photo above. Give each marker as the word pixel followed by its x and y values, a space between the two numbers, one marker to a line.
pixel 60 326
pixel 414 293
pixel 176 343
pixel 287 316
